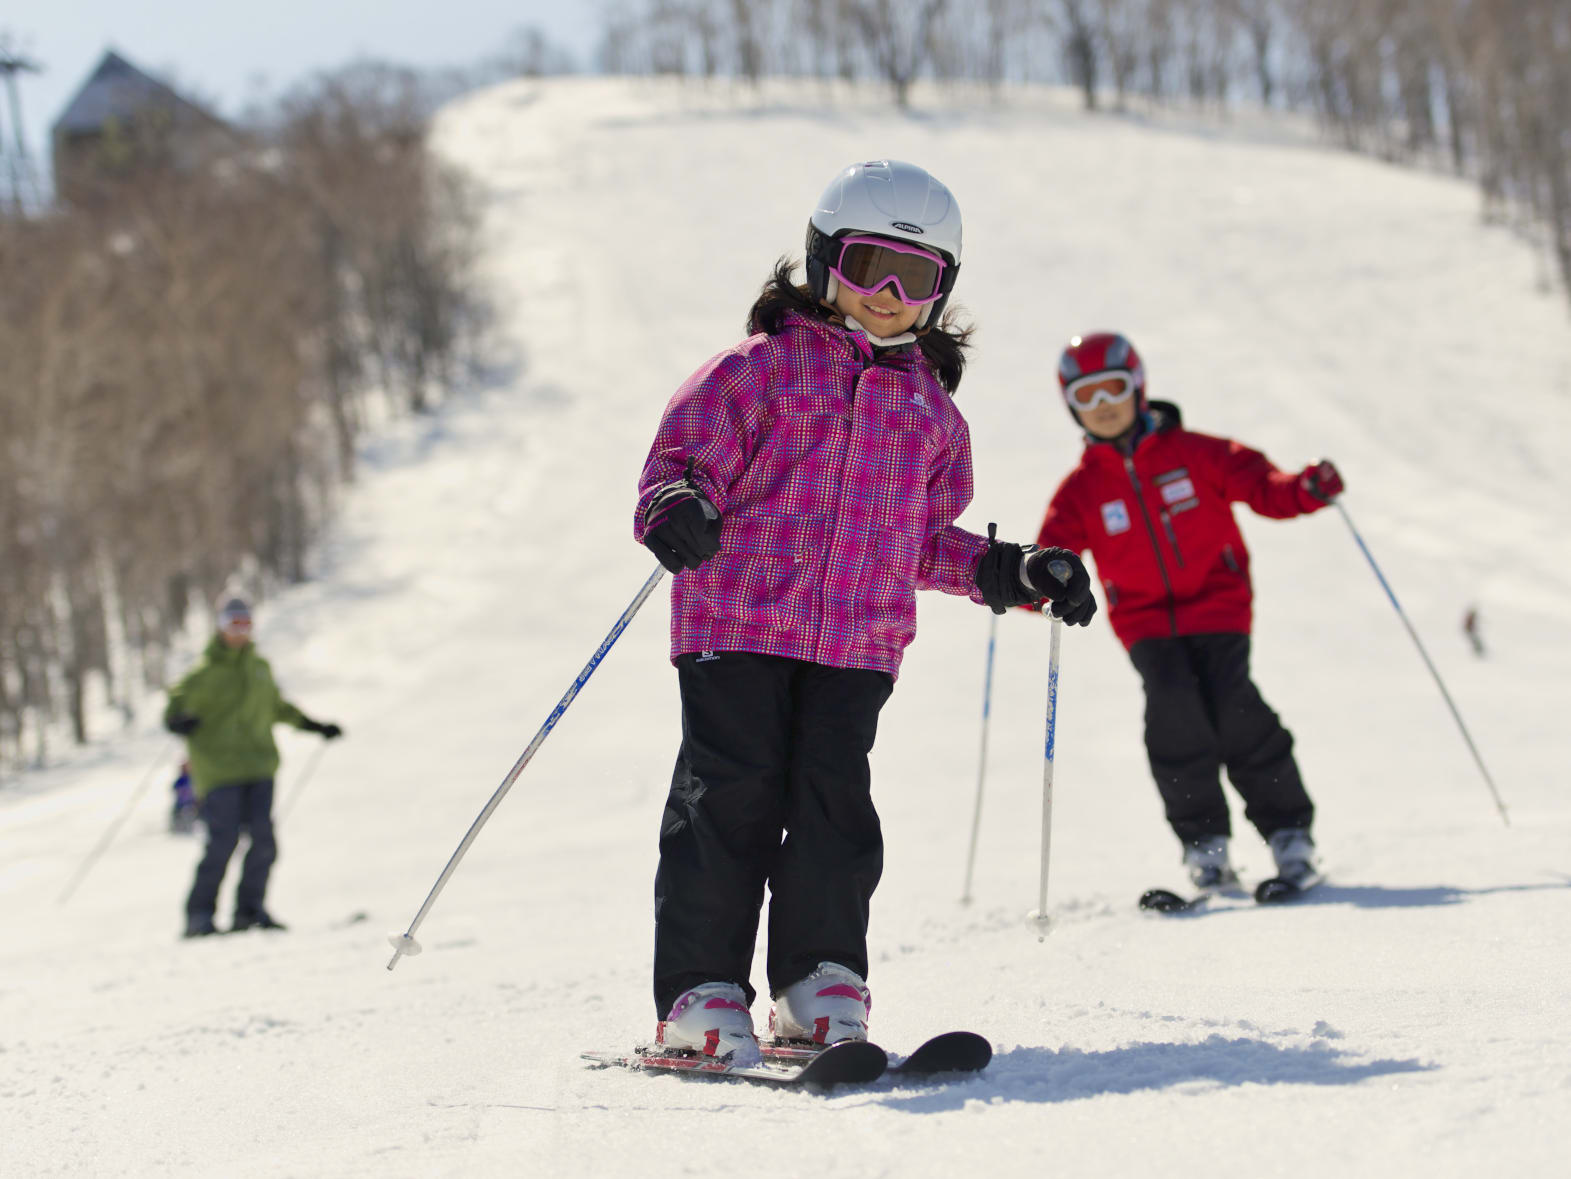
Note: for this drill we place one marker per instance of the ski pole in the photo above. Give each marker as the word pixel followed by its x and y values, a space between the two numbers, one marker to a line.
pixel 299 787
pixel 1039 916
pixel 405 943
pixel 1457 716
pixel 109 835
pixel 981 761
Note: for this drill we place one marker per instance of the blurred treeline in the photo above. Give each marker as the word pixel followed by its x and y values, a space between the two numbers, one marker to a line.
pixel 1482 87
pixel 188 354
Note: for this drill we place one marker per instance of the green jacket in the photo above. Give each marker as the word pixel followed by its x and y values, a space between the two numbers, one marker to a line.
pixel 233 694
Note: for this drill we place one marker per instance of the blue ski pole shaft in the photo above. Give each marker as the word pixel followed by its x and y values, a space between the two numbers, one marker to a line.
pixel 1047 778
pixel 405 943
pixel 1413 634
pixel 981 764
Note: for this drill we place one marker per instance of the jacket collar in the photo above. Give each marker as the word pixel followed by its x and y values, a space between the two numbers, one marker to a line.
pixel 855 342
pixel 218 649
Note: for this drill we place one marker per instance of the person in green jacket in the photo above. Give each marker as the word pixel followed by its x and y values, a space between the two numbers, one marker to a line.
pixel 225 707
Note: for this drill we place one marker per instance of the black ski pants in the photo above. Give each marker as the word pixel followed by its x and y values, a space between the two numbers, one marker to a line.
pixel 771 787
pixel 1203 712
pixel 226 811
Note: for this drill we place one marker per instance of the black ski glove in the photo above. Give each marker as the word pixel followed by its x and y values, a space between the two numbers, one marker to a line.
pixel 683 528
pixel 1059 576
pixel 998 577
pixel 182 724
pixel 329 732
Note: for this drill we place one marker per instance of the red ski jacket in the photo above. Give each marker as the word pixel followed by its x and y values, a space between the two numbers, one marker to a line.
pixel 1159 524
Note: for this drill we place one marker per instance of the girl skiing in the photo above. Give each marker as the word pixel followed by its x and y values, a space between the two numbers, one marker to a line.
pixel 802 486
pixel 1153 502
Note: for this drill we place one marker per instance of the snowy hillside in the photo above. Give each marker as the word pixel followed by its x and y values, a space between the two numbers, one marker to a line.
pixel 1409 1020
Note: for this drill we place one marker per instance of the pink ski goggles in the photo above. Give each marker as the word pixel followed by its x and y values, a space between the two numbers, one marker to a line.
pixel 869 264
pixel 1088 392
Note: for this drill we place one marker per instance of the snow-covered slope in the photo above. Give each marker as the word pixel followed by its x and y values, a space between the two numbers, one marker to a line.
pixel 1408 1021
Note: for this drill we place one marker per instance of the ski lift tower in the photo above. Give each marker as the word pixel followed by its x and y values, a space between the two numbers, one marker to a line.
pixel 20 179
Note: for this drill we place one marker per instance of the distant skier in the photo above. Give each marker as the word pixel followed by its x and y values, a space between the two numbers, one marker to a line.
pixel 225 708
pixel 1152 501
pixel 182 815
pixel 802 486
pixel 1471 629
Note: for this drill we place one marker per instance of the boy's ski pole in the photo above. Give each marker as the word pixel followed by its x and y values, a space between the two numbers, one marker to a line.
pixel 1038 916
pixel 981 762
pixel 1457 716
pixel 305 776
pixel 109 835
pixel 405 943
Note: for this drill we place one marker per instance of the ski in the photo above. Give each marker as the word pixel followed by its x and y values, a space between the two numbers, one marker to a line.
pixel 948 1052
pixel 1162 900
pixel 851 1062
pixel 1284 888
pixel 951 1052
pixel 1268 892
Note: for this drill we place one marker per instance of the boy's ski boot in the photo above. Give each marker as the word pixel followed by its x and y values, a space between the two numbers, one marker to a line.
pixel 1297 865
pixel 712 1020
pixel 1208 865
pixel 829 1005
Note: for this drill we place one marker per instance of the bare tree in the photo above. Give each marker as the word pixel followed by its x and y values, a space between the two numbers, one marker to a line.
pixel 896 35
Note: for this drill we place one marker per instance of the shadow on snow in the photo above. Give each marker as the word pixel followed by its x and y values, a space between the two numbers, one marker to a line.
pixel 1047 1075
pixel 1368 896
pixel 1371 896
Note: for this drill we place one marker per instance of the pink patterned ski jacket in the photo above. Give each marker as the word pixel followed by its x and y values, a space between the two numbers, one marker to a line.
pixel 838 478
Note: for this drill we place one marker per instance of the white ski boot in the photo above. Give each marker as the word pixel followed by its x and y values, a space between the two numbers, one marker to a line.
pixel 1296 861
pixel 712 1020
pixel 1208 864
pixel 829 1005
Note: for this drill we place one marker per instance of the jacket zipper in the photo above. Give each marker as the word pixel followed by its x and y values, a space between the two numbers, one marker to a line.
pixel 865 363
pixel 1156 545
pixel 1172 538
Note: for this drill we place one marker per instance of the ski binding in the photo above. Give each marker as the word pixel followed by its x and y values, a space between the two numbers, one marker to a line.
pixel 851 1062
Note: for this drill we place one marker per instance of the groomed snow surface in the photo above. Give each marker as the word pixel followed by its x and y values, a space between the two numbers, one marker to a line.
pixel 1407 1020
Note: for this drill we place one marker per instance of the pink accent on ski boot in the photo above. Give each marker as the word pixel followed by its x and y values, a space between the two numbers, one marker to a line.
pixel 829 1005
pixel 711 1020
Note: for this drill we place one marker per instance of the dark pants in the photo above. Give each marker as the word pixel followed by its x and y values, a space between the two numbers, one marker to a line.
pixel 1204 712
pixel 226 811
pixel 771 786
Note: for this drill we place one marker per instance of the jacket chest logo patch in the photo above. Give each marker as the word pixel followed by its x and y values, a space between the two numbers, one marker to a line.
pixel 1177 490
pixel 1115 517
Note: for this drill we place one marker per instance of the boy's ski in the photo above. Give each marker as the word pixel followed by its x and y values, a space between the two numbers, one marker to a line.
pixel 949 1052
pixel 1267 892
pixel 852 1062
pixel 1162 900
pixel 1286 888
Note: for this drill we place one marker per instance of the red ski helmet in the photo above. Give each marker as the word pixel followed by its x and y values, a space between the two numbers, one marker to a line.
pixel 1097 353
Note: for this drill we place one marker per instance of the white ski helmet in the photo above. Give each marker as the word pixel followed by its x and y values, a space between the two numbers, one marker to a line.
pixel 885 198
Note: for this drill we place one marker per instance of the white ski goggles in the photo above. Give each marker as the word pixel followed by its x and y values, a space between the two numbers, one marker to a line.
pixel 1105 388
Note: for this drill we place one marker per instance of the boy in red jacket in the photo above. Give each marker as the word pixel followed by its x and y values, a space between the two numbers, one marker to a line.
pixel 1152 501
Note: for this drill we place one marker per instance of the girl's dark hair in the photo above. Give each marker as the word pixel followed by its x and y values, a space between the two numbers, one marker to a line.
pixel 943 344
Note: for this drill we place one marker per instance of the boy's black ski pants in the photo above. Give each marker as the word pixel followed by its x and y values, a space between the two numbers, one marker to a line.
pixel 1203 712
pixel 771 787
